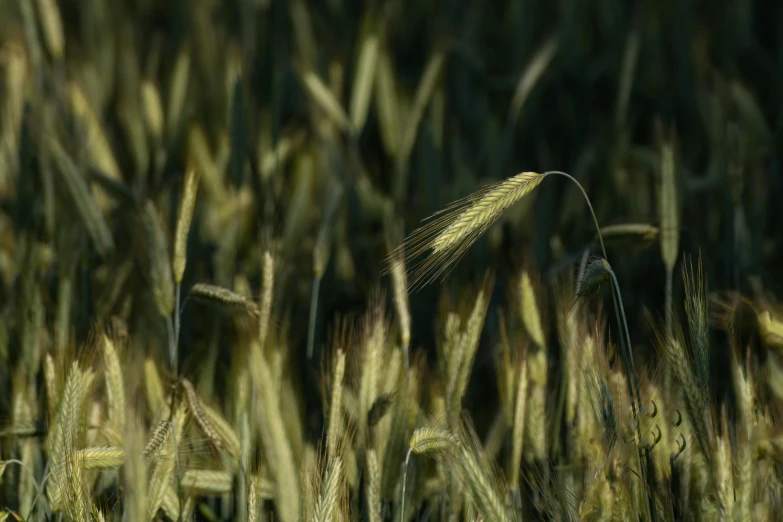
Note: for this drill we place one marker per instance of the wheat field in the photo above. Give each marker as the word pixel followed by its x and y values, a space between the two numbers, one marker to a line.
pixel 390 261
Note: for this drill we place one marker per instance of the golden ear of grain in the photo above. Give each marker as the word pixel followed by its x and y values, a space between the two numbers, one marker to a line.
pixel 476 476
pixel 135 470
pixel 423 94
pixel 533 72
pixel 271 161
pixel 630 57
pixel 83 200
pixel 254 499
pixel 177 91
pixel 153 387
pixel 223 299
pixel 211 423
pixel 324 98
pixel 363 82
pixel 433 442
pixel 334 426
pixel 186 207
pixel 153 109
pixel 164 460
pixel 327 506
pixel 100 457
pixel 535 433
pixel 158 258
pixel 519 423
pixel 643 231
pixel 200 153
pixel 453 230
pixel 207 482
pixel 267 295
pixel 53 387
pixel 400 288
pixel 387 104
pixel 157 439
pixel 771 329
pixel 114 385
pixel 530 315
pixel 670 225
pixel 52 26
pixel 98 144
pixel 374 505
pixel 276 442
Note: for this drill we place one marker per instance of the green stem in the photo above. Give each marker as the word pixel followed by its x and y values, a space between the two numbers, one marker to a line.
pixel 37 488
pixel 313 314
pixel 630 367
pixel 617 308
pixel 177 317
pixel 669 309
pixel 404 483
pixel 172 346
pixel 627 337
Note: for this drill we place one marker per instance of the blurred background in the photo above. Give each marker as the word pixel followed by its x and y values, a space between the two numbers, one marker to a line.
pixel 330 129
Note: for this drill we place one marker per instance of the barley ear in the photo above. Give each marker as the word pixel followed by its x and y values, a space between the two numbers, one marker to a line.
pixel 159 265
pixel 452 231
pixel 530 313
pixel 184 219
pixel 335 422
pixel 696 308
pixel 267 295
pixel 223 299
pixel 114 385
pixel 327 506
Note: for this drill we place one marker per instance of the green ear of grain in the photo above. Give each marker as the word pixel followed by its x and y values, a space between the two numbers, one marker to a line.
pixel 364 76
pixel 83 200
pixel 186 207
pixel 159 260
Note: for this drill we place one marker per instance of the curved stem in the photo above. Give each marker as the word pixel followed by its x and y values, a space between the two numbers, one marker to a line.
pixel 589 205
pixel 404 481
pixel 630 367
pixel 627 335
pixel 43 484
pixel 617 308
pixel 37 488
